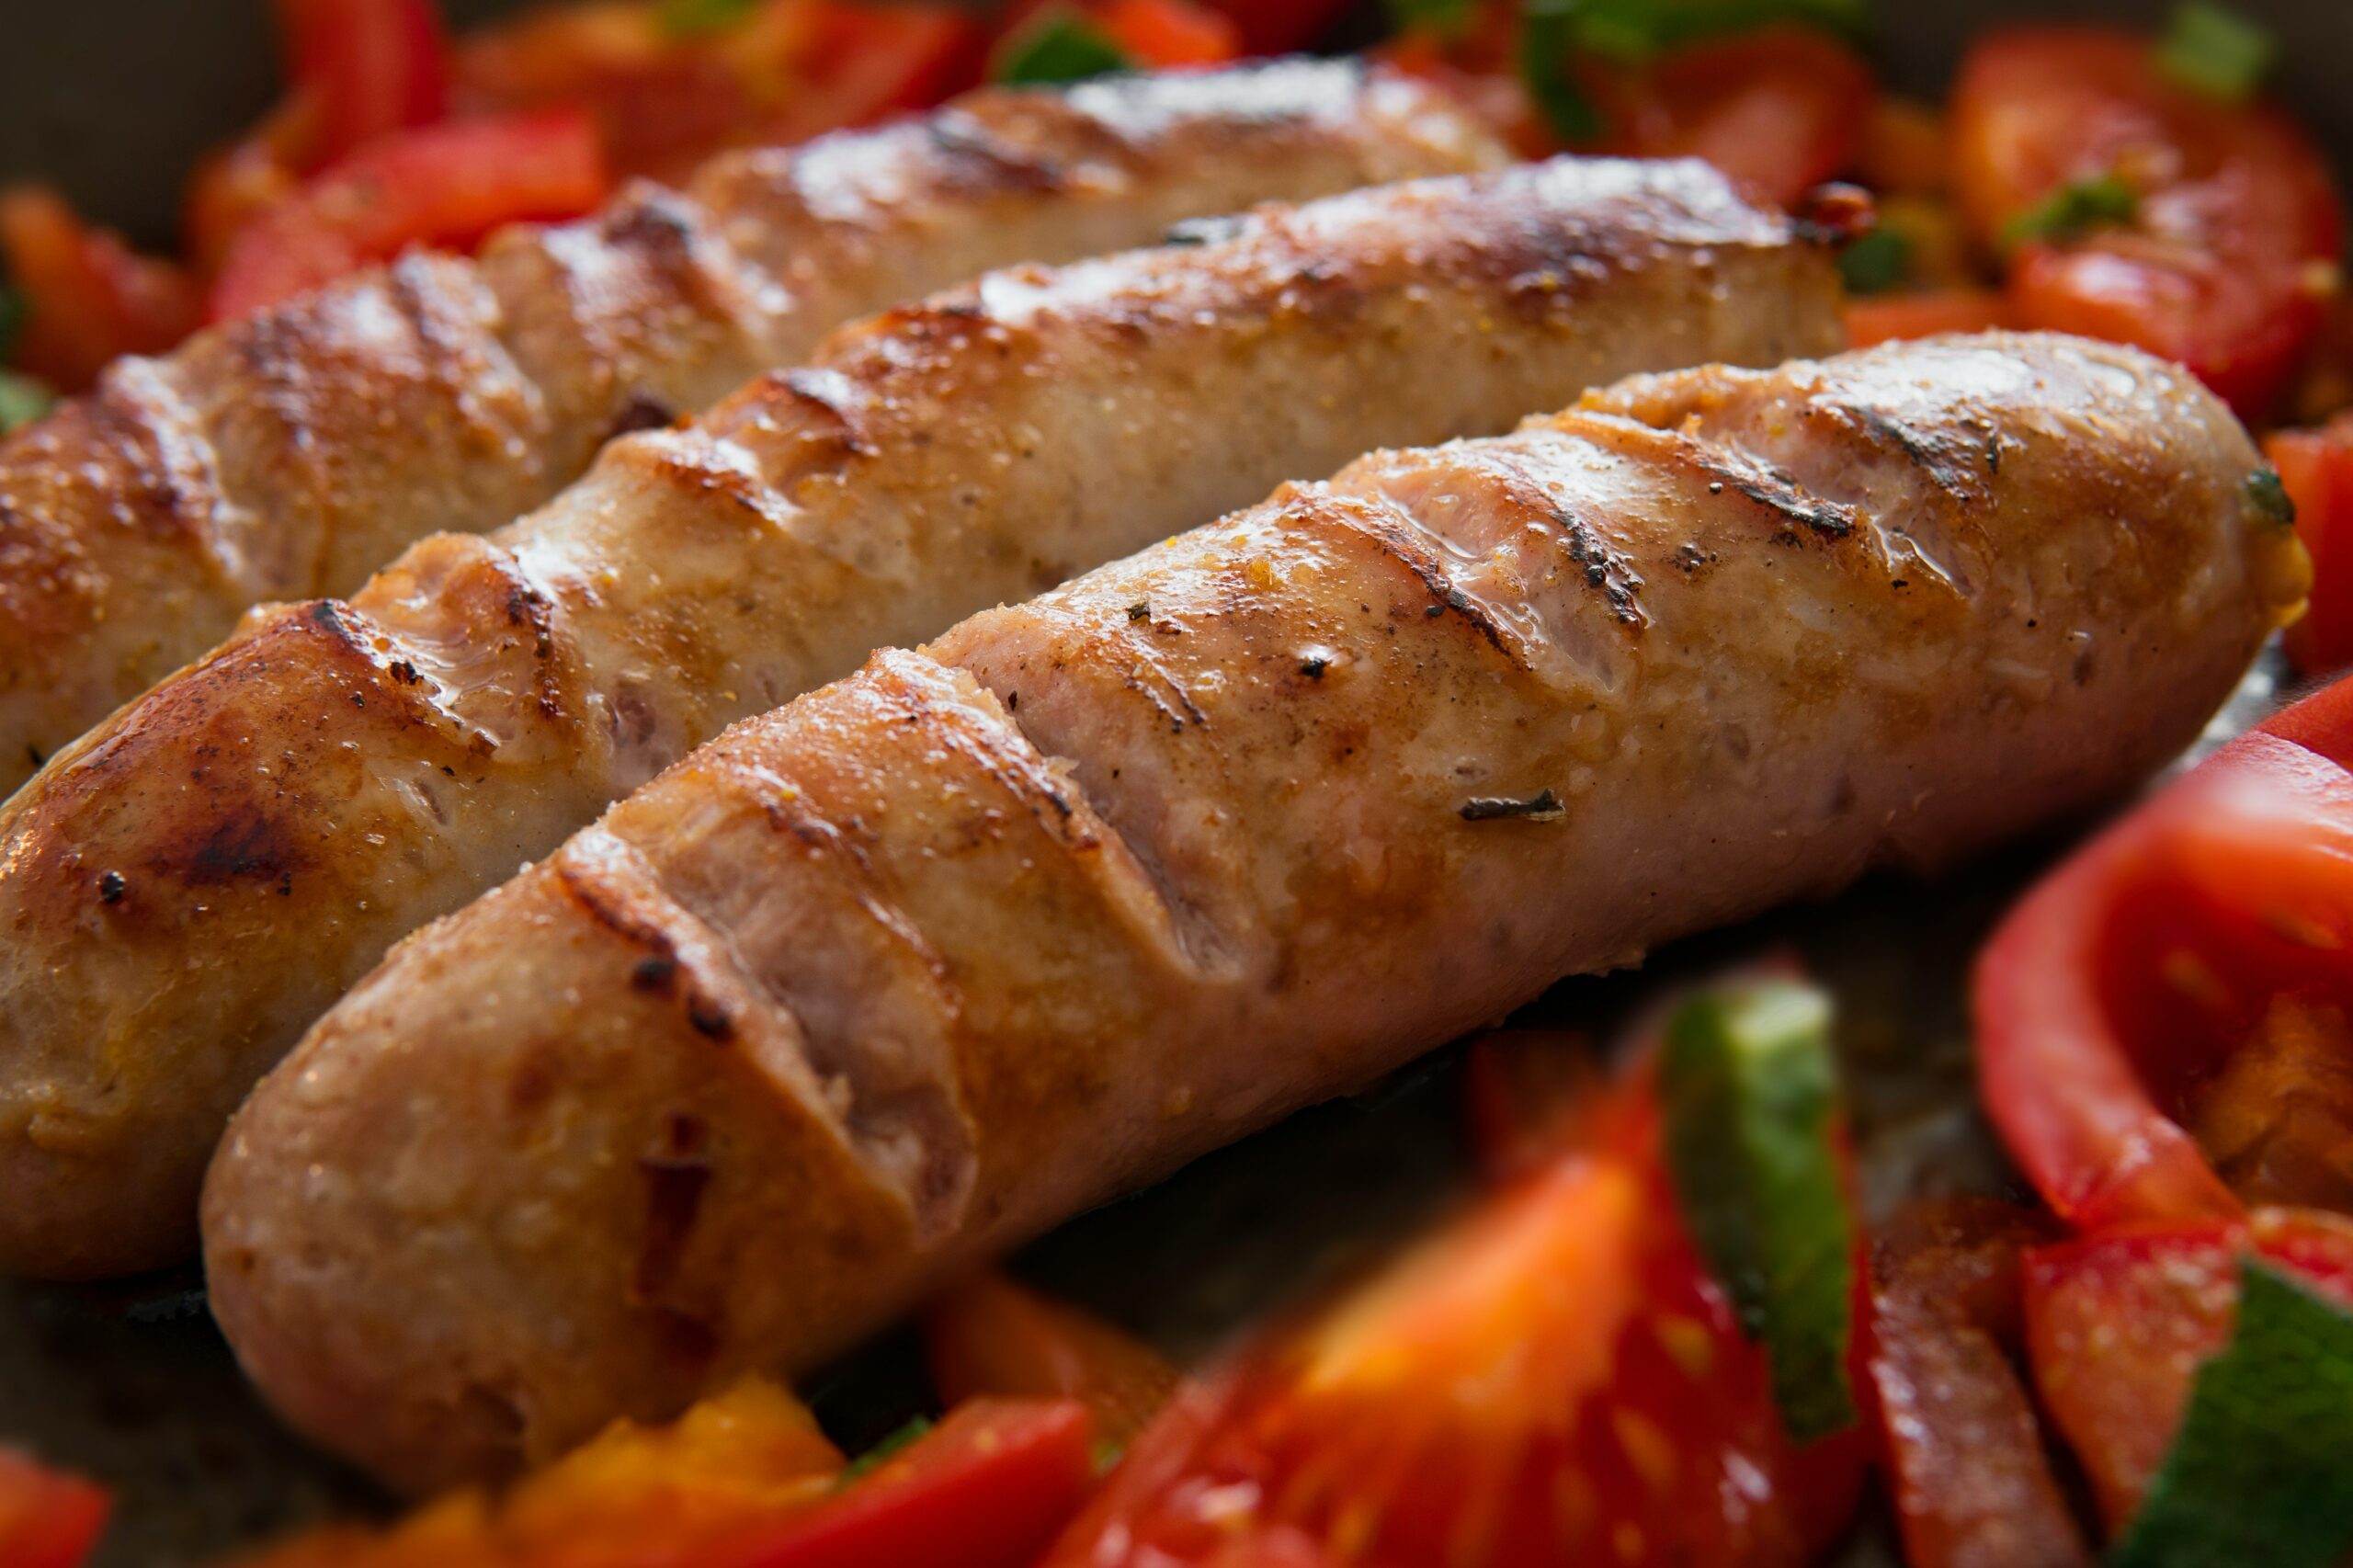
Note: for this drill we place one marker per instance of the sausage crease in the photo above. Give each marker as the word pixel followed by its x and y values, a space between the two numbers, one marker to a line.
pixel 924 961
pixel 192 885
pixel 294 454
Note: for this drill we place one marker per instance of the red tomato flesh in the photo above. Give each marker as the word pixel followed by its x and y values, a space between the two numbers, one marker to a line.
pixel 2225 267
pixel 2316 466
pixel 48 1520
pixel 367 68
pixel 989 1337
pixel 2117 1326
pixel 446 186
pixel 1886 318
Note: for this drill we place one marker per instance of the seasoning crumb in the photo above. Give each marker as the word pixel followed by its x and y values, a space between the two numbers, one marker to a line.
pixel 1544 806
pixel 110 887
pixel 1313 665
pixel 1140 611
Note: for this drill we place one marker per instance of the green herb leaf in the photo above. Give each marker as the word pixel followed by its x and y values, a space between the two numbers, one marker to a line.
pixel 1877 262
pixel 1547 38
pixel 2212 50
pixel 883 1452
pixel 2074 209
pixel 1637 31
pixel 2260 1475
pixel 694 18
pixel 2269 497
pixel 14 309
pixel 22 400
pixel 1060 46
pixel 1750 1094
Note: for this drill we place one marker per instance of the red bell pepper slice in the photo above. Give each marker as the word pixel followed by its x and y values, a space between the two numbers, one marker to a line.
pixel 48 1518
pixel 2316 466
pixel 90 299
pixel 987 1488
pixel 2132 973
pixel 989 1337
pixel 1884 318
pixel 366 69
pixel 445 185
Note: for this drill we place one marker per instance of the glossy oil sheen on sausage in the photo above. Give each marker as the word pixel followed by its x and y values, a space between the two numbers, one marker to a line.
pixel 930 958
pixel 294 454
pixel 187 888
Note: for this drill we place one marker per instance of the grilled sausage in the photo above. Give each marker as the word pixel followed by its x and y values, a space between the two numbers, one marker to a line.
pixel 921 963
pixel 294 454
pixel 191 885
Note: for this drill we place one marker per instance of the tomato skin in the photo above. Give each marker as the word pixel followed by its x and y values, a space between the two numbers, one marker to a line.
pixel 2238 209
pixel 1780 109
pixel 1886 318
pixel 2137 966
pixel 2118 1323
pixel 987 1488
pixel 1170 34
pixel 48 1518
pixel 2316 467
pixel 989 1337
pixel 1275 26
pixel 1553 1378
pixel 91 298
pixel 445 185
pixel 366 68
pixel 1971 1484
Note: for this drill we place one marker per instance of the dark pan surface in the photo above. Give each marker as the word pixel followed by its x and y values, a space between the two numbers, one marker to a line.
pixel 113 99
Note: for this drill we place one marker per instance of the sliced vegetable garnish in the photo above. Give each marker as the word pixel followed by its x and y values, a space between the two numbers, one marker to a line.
pixel 889 1447
pixel 2261 1472
pixel 1446 19
pixel 1877 262
pixel 2073 211
pixel 1547 38
pixel 1642 29
pixel 1750 1097
pixel 2212 50
pixel 694 18
pixel 22 400
pixel 1060 46
pixel 48 1518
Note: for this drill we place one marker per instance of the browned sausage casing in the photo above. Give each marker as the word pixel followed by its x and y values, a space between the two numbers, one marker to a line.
pixel 930 958
pixel 294 454
pixel 192 885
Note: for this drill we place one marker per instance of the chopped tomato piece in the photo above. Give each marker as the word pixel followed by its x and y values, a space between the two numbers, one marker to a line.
pixel 864 63
pixel 48 1518
pixel 445 185
pixel 1780 110
pixel 238 184
pixel 2118 1325
pixel 2316 466
pixel 987 1488
pixel 2276 1120
pixel 1168 34
pixel 2228 260
pixel 990 1337
pixel 1905 151
pixel 1973 1486
pixel 1883 318
pixel 90 300
pixel 1555 1379
pixel 2128 979
pixel 365 69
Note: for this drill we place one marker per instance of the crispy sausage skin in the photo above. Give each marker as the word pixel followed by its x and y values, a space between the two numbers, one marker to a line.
pixel 924 961
pixel 295 453
pixel 187 888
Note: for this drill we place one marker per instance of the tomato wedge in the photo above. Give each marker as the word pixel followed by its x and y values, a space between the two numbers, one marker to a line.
pixel 2117 1326
pixel 2129 977
pixel 1780 109
pixel 2226 266
pixel 1555 1379
pixel 48 1520
pixel 2316 466
pixel 990 1337
pixel 365 69
pixel 1972 1485
pixel 445 185
pixel 90 300
pixel 987 1488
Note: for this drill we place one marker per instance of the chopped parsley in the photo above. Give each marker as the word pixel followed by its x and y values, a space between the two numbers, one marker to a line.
pixel 2260 1475
pixel 1876 263
pixel 2269 497
pixel 1060 46
pixel 1542 806
pixel 1448 18
pixel 2212 50
pixel 2075 210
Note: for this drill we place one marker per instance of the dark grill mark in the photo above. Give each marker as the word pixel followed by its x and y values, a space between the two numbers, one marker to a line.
pixel 110 887
pixel 1777 490
pixel 1542 806
pixel 675 1176
pixel 1604 568
pixel 643 411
